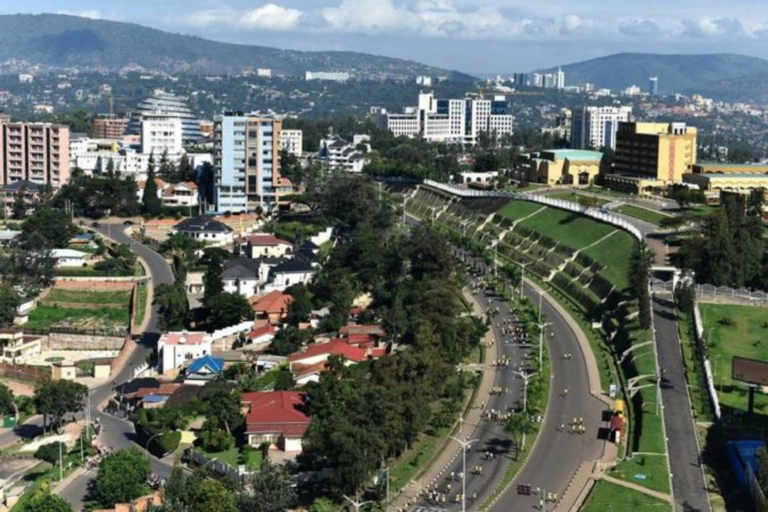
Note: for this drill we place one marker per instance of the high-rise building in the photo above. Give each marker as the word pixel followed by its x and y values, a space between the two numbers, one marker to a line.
pixel 161 134
pixel 656 151
pixel 162 102
pixel 38 152
pixel 521 79
pixel 560 81
pixel 596 127
pixel 537 80
pixel 246 156
pixel 291 141
pixel 653 86
pixel 109 127
pixel 452 120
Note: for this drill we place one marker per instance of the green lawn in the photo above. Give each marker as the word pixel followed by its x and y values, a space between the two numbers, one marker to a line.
pixel 608 192
pixel 642 213
pixel 572 229
pixel 747 336
pixel 615 253
pixel 574 197
pixel 44 317
pixel 519 209
pixel 141 306
pixel 609 497
pixel 528 188
pixel 653 467
pixel 89 297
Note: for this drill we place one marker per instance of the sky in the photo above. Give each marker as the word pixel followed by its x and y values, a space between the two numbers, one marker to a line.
pixel 483 37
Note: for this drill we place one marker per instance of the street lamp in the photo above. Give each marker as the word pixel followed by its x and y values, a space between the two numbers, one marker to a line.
pixel 464 445
pixel 541 340
pixel 526 378
pixel 357 504
pixel 150 440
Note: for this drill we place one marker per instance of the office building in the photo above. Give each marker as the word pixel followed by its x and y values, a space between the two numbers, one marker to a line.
pixel 326 75
pixel 521 79
pixel 246 155
pixel 653 86
pixel 291 141
pixel 161 134
pixel 651 156
pixel 37 152
pixel 264 72
pixel 560 79
pixel 168 104
pixel 596 127
pixel 452 120
pixel 109 127
pixel 537 80
pixel 577 168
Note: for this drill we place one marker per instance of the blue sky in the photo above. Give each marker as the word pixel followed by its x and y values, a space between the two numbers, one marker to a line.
pixel 478 36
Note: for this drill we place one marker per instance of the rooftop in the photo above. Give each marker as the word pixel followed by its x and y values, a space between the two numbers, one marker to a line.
pixel 203 223
pixel 735 175
pixel 273 302
pixel 184 338
pixel 241 268
pixel 265 240
pixel 575 154
pixel 212 364
pixel 276 411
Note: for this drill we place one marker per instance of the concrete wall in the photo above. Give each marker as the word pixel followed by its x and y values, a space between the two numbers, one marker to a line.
pixel 59 341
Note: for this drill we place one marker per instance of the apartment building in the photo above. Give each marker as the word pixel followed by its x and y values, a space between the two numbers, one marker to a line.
pixel 38 152
pixel 246 154
pixel 161 134
pixel 291 141
pixel 109 127
pixel 596 127
pixel 452 120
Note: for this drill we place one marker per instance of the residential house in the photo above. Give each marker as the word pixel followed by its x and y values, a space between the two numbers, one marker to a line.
pixel 261 335
pixel 312 355
pixel 266 246
pixel 175 349
pixel 337 154
pixel 182 194
pixel 288 273
pixel 28 190
pixel 203 369
pixel 266 362
pixel 141 185
pixel 69 257
pixel 86 240
pixel 205 229
pixel 7 237
pixel 244 276
pixel 272 307
pixel 277 418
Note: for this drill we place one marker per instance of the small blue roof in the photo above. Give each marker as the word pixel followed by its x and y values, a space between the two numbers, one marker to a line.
pixel 154 399
pixel 214 364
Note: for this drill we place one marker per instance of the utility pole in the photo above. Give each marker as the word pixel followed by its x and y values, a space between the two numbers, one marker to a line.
pixel 541 341
pixel 464 445
pixel 357 504
pixel 526 378
pixel 522 278
pixel 61 464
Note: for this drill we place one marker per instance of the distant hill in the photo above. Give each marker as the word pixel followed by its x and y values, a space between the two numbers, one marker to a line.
pixel 61 41
pixel 749 89
pixel 676 73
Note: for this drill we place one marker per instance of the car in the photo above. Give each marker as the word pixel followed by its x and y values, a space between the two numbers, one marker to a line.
pixel 94 224
pixel 128 223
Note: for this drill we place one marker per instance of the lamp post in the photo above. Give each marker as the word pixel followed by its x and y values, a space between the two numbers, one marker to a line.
pixel 357 504
pixel 541 341
pixel 526 378
pixel 522 277
pixel 150 440
pixel 464 445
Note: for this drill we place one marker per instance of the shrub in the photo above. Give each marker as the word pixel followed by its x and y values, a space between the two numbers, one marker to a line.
pixel 50 452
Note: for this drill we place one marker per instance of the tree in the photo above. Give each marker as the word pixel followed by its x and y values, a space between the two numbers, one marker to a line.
pixel 9 303
pixel 167 170
pixel 50 452
pixel 224 408
pixel 215 439
pixel 19 205
pixel 6 399
pixel 47 228
pixel 173 306
pixel 55 399
pixel 206 182
pixel 213 279
pixel 227 309
pixel 269 490
pixel 639 278
pixel 587 201
pixel 287 341
pixel 284 380
pixel 682 195
pixel 151 204
pixel 122 477
pixel 301 306
pixel 186 171
pixel 44 501
pixel 196 493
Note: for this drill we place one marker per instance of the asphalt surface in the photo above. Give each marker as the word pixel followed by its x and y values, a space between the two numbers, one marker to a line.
pixel 558 453
pixel 685 463
pixel 116 433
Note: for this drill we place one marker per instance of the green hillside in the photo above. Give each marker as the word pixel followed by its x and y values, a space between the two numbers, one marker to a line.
pixel 62 41
pixel 676 73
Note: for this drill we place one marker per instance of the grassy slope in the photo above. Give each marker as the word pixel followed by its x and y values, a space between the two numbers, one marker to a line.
pixel 642 213
pixel 608 497
pixel 572 229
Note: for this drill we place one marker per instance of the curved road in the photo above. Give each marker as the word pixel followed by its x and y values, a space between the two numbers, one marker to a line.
pixel 117 433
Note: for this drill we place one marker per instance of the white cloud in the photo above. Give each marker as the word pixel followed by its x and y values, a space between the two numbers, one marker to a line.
pixel 92 14
pixel 708 27
pixel 267 17
pixel 639 27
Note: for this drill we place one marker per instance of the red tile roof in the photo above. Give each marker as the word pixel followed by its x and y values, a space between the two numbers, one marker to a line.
pixel 275 412
pixel 261 331
pixel 373 329
pixel 265 240
pixel 273 302
pixel 337 347
pixel 187 338
pixel 302 370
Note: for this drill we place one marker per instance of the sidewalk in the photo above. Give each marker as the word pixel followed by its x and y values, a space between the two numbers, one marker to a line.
pixel 473 416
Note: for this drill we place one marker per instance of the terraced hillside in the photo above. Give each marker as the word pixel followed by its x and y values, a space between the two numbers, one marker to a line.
pixel 583 263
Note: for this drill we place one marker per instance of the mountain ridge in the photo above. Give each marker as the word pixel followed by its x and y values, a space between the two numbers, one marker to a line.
pixel 60 41
pixel 676 72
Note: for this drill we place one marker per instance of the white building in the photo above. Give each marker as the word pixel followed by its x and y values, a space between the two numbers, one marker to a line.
pixel 26 78
pixel 175 349
pixel 326 75
pixel 244 276
pixel 291 141
pixel 205 229
pixel 426 81
pixel 479 177
pixel 180 194
pixel 338 154
pixel 69 257
pixel 596 127
pixel 264 72
pixel 161 133
pixel 264 245
pixel 289 273
pixel 452 120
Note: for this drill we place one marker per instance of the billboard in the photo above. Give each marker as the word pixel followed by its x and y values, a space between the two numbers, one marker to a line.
pixel 751 371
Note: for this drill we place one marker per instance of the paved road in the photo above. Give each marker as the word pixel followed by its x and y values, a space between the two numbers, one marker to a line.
pixel 29 429
pixel 117 433
pixel 687 474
